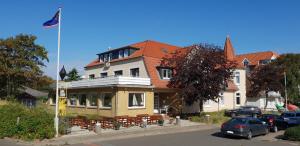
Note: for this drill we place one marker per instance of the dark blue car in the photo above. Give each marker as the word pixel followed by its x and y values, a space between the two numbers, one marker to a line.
pixel 244 127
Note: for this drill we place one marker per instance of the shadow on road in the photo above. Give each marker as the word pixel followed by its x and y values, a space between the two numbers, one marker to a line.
pixel 220 135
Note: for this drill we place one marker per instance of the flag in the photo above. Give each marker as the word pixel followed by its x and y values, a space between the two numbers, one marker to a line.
pixel 53 22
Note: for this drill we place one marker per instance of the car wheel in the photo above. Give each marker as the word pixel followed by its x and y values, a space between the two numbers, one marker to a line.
pixel 275 129
pixel 233 114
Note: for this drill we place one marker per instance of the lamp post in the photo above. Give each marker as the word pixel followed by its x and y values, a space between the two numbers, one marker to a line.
pixel 285 91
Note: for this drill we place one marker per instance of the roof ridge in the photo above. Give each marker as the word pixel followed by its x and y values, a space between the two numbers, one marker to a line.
pixel 257 52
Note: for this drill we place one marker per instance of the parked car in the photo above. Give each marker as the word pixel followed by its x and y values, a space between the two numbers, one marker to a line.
pixel 271 121
pixel 244 127
pixel 244 110
pixel 288 119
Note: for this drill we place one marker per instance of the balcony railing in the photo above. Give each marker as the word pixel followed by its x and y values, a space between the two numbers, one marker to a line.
pixel 112 80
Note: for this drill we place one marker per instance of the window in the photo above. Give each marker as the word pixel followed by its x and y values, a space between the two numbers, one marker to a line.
pixel 121 53
pixel 134 72
pixel 103 75
pixel 136 100
pixel 105 57
pixel 165 73
pixel 246 62
pixel 72 100
pixel 101 58
pixel 207 102
pixel 237 98
pixel 110 56
pixel 126 53
pixel 119 73
pixel 82 100
pixel 221 98
pixel 91 76
pixel 237 78
pixel 106 100
pixel 93 100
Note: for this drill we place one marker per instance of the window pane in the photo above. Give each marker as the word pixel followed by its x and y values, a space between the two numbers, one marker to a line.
pixel 82 100
pixel 93 100
pixel 136 100
pixel 72 100
pixel 103 75
pixel 121 53
pixel 119 73
pixel 134 72
pixel 126 53
pixel 106 99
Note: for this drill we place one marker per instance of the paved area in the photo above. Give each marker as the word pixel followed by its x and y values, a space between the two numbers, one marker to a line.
pixel 206 135
pixel 195 138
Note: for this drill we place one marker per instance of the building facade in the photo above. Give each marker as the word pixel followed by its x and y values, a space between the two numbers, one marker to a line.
pixel 130 80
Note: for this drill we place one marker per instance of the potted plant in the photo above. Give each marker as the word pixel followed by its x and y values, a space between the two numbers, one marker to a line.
pixel 117 125
pixel 160 122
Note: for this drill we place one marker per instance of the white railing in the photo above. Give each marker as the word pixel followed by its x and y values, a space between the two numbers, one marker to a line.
pixel 112 80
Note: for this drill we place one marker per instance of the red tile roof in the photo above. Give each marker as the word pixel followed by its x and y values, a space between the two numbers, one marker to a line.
pixel 147 48
pixel 254 58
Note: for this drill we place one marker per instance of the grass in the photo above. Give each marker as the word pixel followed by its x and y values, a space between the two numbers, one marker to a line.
pixel 214 118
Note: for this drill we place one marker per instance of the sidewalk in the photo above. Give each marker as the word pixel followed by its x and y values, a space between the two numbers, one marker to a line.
pixel 122 134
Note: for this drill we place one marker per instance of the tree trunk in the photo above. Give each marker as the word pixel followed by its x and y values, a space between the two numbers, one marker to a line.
pixel 201 106
pixel 267 96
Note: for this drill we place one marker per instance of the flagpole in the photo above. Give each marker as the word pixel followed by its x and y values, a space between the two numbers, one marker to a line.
pixel 56 120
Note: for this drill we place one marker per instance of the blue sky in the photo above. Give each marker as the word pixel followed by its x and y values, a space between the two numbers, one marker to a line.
pixel 91 26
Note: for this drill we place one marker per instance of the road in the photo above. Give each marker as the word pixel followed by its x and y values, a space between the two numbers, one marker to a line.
pixel 196 138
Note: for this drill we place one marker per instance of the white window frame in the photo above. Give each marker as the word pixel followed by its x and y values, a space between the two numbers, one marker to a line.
pixel 237 96
pixel 221 98
pixel 134 69
pixel 78 102
pixel 69 100
pixel 101 106
pixel 237 77
pixel 88 102
pixel 137 107
pixel 168 72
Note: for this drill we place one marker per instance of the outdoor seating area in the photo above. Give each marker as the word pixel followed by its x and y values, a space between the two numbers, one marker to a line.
pixel 116 122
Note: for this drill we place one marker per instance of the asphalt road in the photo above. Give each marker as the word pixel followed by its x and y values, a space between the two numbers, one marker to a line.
pixel 196 138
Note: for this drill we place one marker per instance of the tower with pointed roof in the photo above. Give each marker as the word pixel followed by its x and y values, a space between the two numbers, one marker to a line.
pixel 228 49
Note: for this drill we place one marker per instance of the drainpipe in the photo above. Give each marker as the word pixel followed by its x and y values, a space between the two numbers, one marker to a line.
pixel 116 101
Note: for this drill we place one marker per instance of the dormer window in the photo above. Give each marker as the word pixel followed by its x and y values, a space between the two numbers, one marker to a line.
pixel 101 58
pixel 110 57
pixel 246 62
pixel 105 57
pixel 126 53
pixel 165 73
pixel 121 53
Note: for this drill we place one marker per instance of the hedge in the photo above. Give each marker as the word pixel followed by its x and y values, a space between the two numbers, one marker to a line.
pixel 292 133
pixel 35 123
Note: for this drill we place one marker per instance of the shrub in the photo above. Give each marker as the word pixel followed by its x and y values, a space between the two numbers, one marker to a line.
pixel 34 123
pixel 292 133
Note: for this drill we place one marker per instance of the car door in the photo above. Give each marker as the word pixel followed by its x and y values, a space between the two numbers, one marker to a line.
pixel 260 126
pixel 253 126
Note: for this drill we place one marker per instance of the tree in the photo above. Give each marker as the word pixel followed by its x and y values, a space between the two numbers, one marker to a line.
pixel 73 75
pixel 200 71
pixel 291 65
pixel 21 60
pixel 265 78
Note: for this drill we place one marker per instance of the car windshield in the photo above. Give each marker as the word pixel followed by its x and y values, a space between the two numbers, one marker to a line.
pixel 238 121
pixel 288 114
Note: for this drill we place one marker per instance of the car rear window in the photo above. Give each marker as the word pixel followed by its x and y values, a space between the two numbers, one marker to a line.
pixel 238 121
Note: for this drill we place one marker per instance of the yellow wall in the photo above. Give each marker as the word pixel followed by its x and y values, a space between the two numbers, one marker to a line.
pixel 120 96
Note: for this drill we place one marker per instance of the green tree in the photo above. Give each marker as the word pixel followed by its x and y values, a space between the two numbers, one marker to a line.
pixel 265 78
pixel 21 60
pixel 200 72
pixel 73 75
pixel 291 65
